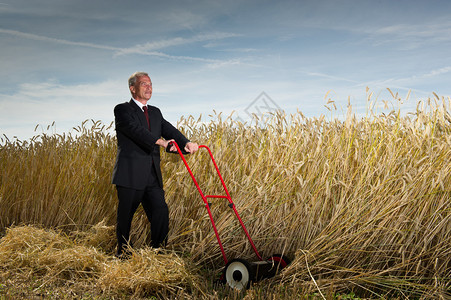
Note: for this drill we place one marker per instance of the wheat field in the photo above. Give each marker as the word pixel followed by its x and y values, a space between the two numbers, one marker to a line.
pixel 361 206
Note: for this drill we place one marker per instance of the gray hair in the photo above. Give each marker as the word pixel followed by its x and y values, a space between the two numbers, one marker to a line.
pixel 132 80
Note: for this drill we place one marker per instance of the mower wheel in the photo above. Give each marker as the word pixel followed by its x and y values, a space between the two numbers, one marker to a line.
pixel 280 261
pixel 238 274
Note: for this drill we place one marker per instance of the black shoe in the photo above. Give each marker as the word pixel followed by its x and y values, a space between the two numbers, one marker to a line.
pixel 124 254
pixel 158 250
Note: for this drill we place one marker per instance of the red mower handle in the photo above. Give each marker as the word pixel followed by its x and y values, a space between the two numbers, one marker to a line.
pixel 205 197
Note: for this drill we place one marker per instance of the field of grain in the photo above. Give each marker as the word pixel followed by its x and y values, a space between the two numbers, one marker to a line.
pixel 361 206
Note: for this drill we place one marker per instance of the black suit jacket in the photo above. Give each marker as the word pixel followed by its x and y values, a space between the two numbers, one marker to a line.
pixel 137 151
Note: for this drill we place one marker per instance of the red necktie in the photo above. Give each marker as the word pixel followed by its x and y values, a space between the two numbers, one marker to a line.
pixel 147 115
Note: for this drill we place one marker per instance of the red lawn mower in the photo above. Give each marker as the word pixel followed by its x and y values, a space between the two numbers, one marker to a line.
pixel 238 273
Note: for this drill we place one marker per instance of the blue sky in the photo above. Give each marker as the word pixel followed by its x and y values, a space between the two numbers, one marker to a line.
pixel 68 61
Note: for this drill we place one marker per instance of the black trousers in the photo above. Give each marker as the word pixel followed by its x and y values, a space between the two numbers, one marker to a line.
pixel 155 207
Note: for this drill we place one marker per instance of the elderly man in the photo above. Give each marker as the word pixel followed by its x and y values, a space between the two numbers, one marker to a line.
pixel 141 130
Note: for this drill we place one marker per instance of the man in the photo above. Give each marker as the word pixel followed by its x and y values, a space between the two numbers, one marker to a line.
pixel 137 174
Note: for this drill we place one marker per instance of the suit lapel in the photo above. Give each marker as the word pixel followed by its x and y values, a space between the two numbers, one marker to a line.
pixel 139 113
pixel 152 120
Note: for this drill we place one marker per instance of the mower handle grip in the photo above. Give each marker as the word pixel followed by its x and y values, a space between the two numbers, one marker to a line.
pixel 184 152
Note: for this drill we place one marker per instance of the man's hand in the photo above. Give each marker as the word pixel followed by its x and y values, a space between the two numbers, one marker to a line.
pixel 164 144
pixel 191 147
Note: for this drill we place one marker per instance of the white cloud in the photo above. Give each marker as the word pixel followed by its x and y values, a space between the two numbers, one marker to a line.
pixel 330 77
pixel 177 41
pixel 410 36
pixel 54 40
pixel 438 72
pixel 146 49
pixel 66 105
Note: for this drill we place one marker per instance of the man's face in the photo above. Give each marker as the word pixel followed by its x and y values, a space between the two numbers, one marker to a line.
pixel 142 90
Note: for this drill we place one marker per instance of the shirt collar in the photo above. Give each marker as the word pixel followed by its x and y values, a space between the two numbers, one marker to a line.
pixel 138 103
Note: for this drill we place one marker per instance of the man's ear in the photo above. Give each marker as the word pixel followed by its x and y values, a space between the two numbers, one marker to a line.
pixel 132 89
